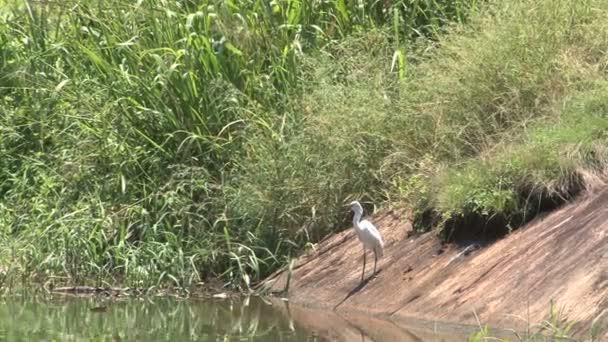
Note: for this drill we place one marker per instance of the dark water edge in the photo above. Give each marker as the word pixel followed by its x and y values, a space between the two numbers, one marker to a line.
pixel 25 317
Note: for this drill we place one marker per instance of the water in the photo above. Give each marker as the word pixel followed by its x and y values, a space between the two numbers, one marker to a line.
pixel 67 318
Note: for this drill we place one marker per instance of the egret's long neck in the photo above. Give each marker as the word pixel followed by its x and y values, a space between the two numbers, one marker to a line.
pixel 356 219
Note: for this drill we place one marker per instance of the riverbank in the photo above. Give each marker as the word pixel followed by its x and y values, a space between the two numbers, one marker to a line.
pixel 163 144
pixel 558 261
pixel 212 289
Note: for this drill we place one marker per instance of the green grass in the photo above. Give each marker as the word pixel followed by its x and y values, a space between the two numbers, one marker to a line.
pixel 548 161
pixel 507 112
pixel 160 143
pixel 555 328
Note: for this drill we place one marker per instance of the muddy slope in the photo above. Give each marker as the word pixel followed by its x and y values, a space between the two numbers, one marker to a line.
pixel 561 256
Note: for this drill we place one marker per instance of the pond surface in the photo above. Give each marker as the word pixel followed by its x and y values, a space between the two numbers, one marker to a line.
pixel 67 318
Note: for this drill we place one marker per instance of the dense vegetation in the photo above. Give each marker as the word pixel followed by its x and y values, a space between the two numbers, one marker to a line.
pixel 157 142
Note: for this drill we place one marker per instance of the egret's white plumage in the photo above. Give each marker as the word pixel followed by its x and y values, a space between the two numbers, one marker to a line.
pixel 367 234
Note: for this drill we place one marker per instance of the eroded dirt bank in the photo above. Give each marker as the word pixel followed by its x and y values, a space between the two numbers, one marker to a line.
pixel 560 256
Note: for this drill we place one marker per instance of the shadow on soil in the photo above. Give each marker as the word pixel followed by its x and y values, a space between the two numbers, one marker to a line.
pixel 358 287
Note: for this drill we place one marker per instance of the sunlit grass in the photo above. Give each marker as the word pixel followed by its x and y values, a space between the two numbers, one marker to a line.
pixel 160 143
pixel 501 115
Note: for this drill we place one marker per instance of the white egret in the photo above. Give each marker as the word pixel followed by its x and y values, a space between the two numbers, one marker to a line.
pixel 367 234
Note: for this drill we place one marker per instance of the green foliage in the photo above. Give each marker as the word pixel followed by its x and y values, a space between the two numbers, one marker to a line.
pixel 506 114
pixel 164 142
pixel 543 163
pixel 159 142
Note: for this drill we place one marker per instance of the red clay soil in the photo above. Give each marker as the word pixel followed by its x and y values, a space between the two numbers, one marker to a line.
pixel 561 256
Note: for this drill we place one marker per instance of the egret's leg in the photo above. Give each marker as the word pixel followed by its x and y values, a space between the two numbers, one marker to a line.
pixel 375 260
pixel 363 272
